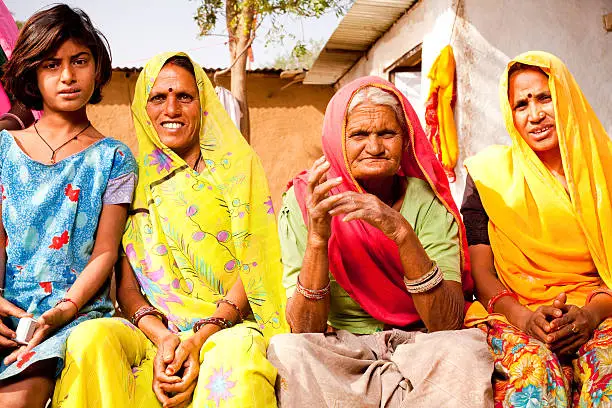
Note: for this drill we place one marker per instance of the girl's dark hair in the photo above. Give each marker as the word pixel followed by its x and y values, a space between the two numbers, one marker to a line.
pixel 40 37
pixel 181 61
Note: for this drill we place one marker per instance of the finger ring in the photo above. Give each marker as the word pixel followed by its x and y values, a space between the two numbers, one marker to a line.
pixel 574 328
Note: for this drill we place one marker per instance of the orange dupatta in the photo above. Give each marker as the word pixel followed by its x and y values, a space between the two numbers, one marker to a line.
pixel 545 241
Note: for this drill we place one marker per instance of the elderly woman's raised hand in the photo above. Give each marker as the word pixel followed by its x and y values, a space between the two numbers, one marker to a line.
pixel 322 207
pixel 319 202
pixel 371 209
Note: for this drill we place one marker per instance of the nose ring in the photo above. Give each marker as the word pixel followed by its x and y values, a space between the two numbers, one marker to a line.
pixel 541 114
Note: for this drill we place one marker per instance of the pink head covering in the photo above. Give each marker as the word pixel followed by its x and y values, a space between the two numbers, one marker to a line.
pixel 362 259
pixel 8 37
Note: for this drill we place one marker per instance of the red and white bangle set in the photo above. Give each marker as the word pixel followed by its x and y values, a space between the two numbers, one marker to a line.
pixel 313 294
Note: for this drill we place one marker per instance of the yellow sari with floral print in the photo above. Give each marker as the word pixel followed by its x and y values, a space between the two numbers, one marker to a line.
pixel 189 237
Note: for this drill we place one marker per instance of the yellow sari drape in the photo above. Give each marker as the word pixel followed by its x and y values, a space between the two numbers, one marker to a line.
pixel 545 241
pixel 441 131
pixel 189 236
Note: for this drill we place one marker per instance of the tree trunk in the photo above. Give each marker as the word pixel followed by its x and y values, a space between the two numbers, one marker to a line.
pixel 239 90
pixel 240 28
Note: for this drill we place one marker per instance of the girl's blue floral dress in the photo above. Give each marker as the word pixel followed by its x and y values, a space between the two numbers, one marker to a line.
pixel 50 214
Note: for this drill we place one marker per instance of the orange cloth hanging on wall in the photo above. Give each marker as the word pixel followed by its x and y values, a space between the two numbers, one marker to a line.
pixel 439 116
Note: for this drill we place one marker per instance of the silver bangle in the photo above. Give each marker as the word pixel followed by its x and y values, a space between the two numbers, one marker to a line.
pixel 426 282
pixel 424 278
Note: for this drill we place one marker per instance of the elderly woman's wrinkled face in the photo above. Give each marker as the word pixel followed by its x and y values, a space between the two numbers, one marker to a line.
pixel 374 142
pixel 533 111
pixel 174 108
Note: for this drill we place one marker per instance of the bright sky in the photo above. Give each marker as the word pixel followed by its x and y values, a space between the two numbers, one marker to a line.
pixel 139 29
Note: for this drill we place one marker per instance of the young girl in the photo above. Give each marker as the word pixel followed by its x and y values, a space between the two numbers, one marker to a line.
pixel 65 189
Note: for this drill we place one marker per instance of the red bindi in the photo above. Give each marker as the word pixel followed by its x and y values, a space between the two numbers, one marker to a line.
pixel 169 89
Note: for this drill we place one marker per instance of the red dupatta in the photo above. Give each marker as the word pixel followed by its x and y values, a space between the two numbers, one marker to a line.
pixel 361 258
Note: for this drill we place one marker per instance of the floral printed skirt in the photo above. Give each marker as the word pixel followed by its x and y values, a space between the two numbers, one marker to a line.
pixel 109 363
pixel 529 375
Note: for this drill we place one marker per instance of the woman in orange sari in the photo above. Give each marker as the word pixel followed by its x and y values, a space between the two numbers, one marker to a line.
pixel 538 215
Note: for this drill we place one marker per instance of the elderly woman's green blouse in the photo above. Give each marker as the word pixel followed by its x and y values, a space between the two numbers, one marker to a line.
pixel 433 224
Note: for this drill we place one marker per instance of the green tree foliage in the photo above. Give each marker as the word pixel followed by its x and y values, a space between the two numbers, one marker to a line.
pixel 302 56
pixel 243 18
pixel 209 11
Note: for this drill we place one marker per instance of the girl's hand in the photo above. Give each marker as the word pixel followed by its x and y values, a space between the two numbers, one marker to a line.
pixel 7 335
pixel 318 201
pixel 166 350
pixel 51 321
pixel 187 360
pixel 371 209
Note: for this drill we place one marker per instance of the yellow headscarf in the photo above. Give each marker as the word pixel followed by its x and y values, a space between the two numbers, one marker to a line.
pixel 544 241
pixel 189 236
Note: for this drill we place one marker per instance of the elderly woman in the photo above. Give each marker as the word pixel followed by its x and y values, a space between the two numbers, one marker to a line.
pixel 201 245
pixel 372 248
pixel 538 215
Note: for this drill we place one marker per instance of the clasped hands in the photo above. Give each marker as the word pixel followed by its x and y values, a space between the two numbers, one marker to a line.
pixel 175 370
pixel 564 328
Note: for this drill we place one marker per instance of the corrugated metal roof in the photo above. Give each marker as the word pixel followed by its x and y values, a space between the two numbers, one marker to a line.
pixel 275 71
pixel 361 27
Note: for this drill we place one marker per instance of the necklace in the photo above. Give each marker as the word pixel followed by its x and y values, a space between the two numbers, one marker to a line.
pixel 53 151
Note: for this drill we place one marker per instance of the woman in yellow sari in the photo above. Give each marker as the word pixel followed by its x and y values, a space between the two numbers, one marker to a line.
pixel 201 245
pixel 538 215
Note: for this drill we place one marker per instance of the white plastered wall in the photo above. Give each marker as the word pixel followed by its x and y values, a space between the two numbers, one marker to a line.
pixel 486 34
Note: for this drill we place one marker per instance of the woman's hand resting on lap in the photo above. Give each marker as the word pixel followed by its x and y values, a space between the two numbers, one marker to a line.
pixel 175 370
pixel 570 331
pixel 166 350
pixel 563 328
pixel 186 364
